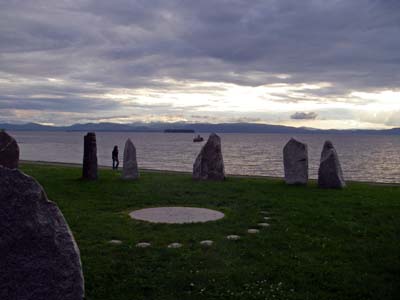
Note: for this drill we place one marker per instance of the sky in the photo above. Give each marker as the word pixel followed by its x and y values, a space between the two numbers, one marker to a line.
pixel 313 63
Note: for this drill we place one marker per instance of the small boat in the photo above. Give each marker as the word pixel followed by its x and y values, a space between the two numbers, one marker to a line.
pixel 198 139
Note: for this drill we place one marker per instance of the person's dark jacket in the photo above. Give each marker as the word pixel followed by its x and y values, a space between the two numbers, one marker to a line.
pixel 115 154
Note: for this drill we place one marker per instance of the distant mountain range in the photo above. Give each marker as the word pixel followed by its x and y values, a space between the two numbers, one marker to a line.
pixel 197 127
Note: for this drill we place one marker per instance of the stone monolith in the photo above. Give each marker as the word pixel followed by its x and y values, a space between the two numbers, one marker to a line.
pixel 9 151
pixel 209 164
pixel 130 169
pixel 330 173
pixel 39 259
pixel 295 161
pixel 89 170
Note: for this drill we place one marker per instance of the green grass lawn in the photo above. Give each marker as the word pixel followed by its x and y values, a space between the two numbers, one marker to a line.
pixel 322 244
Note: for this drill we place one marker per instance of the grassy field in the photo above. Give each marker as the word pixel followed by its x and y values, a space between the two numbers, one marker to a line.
pixel 322 244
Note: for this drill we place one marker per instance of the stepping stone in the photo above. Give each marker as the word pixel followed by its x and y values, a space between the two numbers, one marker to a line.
pixel 143 245
pixel 264 212
pixel 207 243
pixel 115 242
pixel 175 245
pixel 233 237
pixel 253 231
pixel 267 218
pixel 263 224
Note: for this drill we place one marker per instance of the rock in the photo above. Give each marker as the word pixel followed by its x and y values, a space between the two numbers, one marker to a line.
pixel 130 169
pixel 90 157
pixel 233 237
pixel 143 245
pixel 267 218
pixel 207 243
pixel 39 259
pixel 253 231
pixel 263 224
pixel 9 151
pixel 175 245
pixel 330 173
pixel 295 160
pixel 209 164
pixel 115 242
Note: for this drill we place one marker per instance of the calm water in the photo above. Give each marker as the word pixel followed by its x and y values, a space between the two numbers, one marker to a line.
pixel 363 158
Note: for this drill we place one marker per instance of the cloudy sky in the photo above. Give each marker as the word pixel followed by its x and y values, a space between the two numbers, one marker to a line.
pixel 316 63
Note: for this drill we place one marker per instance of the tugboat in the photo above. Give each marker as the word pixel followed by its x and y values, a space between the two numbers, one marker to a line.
pixel 197 139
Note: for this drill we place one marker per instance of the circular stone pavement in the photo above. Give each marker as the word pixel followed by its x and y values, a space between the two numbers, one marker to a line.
pixel 176 215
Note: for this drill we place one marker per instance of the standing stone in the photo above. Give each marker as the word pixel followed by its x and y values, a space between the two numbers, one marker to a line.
pixel 89 157
pixel 39 259
pixel 130 169
pixel 209 163
pixel 9 151
pixel 330 173
pixel 295 160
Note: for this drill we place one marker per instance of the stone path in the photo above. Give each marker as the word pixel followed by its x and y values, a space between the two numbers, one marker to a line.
pixel 179 215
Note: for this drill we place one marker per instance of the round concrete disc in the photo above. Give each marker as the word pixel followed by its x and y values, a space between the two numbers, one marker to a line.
pixel 176 215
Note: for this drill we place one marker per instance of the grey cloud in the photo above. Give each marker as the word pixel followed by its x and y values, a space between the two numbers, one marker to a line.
pixel 131 44
pixel 57 104
pixel 304 116
pixel 313 40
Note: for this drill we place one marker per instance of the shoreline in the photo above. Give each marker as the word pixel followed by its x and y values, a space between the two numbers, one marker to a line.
pixel 78 165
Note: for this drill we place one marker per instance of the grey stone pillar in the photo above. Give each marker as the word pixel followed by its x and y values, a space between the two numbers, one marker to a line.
pixel 89 170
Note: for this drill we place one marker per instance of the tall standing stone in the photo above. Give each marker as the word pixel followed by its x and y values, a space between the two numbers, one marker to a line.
pixel 330 173
pixel 209 164
pixel 130 169
pixel 89 157
pixel 9 151
pixel 295 160
pixel 39 259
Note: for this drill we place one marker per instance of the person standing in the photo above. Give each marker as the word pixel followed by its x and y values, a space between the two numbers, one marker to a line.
pixel 115 161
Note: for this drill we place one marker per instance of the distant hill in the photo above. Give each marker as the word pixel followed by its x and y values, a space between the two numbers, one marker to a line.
pixel 109 127
pixel 179 131
pixel 29 127
pixel 192 127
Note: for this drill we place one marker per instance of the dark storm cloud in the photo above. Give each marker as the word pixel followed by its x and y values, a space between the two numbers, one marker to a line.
pixel 304 116
pixel 353 45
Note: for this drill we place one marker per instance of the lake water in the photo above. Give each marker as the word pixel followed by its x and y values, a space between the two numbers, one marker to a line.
pixel 363 158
